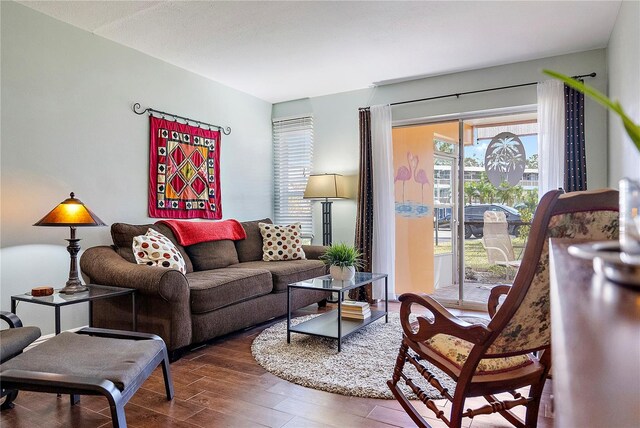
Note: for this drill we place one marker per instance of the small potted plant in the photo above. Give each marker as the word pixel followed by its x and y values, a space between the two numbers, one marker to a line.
pixel 343 260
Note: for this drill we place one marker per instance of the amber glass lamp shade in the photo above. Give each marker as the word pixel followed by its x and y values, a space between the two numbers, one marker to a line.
pixel 71 213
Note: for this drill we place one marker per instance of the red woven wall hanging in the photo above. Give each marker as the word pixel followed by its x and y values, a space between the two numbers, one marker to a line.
pixel 184 171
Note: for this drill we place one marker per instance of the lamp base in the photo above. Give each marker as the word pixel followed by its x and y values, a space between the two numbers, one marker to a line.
pixel 72 288
pixel 73 285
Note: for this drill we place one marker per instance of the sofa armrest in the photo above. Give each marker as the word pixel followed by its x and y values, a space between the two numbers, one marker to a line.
pixel 313 252
pixel 104 266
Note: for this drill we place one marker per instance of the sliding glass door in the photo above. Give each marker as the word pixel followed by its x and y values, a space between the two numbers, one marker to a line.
pixel 447 176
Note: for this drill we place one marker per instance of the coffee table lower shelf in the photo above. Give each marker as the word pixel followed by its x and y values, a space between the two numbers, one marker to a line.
pixel 326 325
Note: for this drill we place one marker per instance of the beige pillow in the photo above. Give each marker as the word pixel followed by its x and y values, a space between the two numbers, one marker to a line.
pixel 155 249
pixel 281 242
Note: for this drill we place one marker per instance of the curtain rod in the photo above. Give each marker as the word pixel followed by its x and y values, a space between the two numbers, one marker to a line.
pixel 136 106
pixel 458 94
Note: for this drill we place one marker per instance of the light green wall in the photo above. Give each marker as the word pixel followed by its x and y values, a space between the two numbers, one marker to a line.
pixel 67 125
pixel 336 116
pixel 623 60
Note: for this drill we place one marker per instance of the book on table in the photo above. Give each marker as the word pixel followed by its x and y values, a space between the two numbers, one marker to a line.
pixel 356 306
pixel 355 310
pixel 353 316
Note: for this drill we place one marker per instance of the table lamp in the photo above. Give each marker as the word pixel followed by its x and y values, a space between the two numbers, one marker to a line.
pixel 72 213
pixel 326 186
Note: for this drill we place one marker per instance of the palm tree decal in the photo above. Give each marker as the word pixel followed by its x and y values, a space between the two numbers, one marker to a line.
pixel 505 159
pixel 505 156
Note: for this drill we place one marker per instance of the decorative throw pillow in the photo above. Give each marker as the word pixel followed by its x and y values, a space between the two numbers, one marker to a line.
pixel 281 242
pixel 155 249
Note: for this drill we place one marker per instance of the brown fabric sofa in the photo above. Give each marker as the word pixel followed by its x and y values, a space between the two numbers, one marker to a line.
pixel 227 286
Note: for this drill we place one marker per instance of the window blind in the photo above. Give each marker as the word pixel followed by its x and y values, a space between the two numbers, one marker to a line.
pixel 292 158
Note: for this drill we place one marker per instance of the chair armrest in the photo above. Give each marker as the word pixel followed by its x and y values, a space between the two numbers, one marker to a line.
pixel 313 252
pixel 494 298
pixel 104 266
pixel 11 319
pixel 444 322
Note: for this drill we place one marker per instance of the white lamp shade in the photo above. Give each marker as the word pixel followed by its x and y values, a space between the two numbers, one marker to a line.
pixel 326 186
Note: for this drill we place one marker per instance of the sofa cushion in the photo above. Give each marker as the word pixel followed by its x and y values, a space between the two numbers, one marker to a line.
pixel 212 254
pixel 122 235
pixel 250 249
pixel 215 289
pixel 281 242
pixel 287 272
pixel 155 249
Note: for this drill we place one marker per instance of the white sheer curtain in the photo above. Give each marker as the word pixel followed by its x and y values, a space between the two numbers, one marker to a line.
pixel 550 136
pixel 384 226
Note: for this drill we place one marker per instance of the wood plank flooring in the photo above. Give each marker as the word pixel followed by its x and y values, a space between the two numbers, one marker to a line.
pixel 221 385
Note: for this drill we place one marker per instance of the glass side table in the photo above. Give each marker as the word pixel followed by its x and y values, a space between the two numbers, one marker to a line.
pixel 94 292
pixel 330 324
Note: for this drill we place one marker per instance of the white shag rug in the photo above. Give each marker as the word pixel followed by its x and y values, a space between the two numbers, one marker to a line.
pixel 361 369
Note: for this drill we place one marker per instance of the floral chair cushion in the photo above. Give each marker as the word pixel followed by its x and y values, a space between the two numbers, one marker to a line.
pixel 457 350
pixel 530 326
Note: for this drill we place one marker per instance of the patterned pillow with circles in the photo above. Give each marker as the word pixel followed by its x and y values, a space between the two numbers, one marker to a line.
pixel 281 242
pixel 155 249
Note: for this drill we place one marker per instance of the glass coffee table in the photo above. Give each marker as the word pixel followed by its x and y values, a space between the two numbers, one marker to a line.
pixel 330 324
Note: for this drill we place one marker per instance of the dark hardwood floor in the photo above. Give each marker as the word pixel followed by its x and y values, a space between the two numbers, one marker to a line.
pixel 221 385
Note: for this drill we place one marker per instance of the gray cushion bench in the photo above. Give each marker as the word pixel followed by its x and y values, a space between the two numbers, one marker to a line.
pixel 91 361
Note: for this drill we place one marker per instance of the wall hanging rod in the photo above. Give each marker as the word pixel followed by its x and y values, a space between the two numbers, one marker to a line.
pixel 458 94
pixel 137 109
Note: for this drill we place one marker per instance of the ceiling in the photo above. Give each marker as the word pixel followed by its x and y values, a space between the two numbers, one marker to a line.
pixel 280 51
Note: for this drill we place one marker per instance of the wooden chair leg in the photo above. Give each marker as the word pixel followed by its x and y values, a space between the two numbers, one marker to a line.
pixel 407 406
pixel 457 408
pixel 531 417
pixel 397 392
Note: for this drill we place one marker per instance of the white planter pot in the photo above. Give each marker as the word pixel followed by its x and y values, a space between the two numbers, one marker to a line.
pixel 342 273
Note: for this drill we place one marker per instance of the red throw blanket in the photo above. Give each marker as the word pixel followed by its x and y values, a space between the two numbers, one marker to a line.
pixel 193 232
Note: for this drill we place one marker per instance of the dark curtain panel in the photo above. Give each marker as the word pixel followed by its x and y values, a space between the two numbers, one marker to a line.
pixel 364 215
pixel 575 164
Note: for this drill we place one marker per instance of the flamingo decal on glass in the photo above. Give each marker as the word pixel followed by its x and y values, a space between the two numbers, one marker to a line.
pixel 420 176
pixel 403 173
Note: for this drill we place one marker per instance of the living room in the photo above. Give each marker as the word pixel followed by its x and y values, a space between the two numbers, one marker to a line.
pixel 69 82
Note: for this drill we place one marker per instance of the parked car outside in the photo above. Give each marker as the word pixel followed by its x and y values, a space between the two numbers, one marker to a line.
pixel 474 219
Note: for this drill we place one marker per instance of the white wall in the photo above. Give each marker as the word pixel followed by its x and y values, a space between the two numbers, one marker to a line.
pixel 623 60
pixel 336 116
pixel 67 125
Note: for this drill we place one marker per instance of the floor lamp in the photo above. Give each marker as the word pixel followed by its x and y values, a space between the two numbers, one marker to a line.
pixel 325 187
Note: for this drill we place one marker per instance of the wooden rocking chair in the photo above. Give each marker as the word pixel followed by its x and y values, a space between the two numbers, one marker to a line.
pixel 485 360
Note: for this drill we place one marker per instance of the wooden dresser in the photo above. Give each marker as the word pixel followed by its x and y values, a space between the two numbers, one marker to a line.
pixel 595 345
